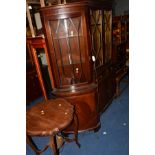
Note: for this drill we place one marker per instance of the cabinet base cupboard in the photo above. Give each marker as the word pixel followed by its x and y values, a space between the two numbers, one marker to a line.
pixel 78 37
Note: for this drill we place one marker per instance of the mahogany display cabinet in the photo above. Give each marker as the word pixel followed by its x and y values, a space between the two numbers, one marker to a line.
pixel 79 41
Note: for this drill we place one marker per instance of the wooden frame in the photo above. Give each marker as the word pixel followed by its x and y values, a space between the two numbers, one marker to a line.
pixel 39 42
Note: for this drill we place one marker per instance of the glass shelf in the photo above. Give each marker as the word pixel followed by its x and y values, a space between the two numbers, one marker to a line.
pixel 64 37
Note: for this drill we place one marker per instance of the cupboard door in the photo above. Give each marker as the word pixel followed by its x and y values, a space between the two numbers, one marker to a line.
pixel 67 50
pixel 96 31
pixel 108 34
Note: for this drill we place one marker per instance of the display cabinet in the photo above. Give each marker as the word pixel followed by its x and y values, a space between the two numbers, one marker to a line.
pixel 125 20
pixel 116 26
pixel 79 40
pixel 120 25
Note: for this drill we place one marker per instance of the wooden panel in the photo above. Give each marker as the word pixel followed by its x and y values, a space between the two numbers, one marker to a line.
pixel 33 89
pixel 106 87
pixel 85 108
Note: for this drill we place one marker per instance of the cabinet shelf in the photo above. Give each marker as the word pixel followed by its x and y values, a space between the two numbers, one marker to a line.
pixel 64 37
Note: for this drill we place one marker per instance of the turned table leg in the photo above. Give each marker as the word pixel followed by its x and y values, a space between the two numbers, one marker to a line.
pixel 32 145
pixel 53 145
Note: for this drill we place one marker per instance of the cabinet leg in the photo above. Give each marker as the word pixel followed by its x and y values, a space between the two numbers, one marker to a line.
pixel 117 89
pixel 76 130
pixel 97 128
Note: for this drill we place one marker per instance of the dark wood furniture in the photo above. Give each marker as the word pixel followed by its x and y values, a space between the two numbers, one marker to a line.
pixel 37 45
pixel 49 118
pixel 79 41
pixel 120 25
pixel 119 64
pixel 119 76
pixel 33 88
pixel 125 20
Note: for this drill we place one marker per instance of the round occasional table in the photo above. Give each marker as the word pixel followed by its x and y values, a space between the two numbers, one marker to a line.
pixel 49 118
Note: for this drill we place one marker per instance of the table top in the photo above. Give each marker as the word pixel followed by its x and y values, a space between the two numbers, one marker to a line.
pixel 49 117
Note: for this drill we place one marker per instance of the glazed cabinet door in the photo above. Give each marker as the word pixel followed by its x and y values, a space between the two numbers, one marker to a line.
pixel 66 36
pixel 101 49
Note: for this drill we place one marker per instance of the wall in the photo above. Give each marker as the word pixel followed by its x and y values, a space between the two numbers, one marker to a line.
pixel 120 6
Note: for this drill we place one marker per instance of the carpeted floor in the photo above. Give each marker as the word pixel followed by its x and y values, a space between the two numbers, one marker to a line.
pixel 111 139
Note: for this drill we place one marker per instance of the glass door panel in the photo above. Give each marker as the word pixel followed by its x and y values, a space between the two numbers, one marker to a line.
pixel 68 44
pixel 96 24
pixel 108 34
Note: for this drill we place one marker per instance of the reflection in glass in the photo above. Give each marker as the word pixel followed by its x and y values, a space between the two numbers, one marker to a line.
pixel 40 53
pixel 96 24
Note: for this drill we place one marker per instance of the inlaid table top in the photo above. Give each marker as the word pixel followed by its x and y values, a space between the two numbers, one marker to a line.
pixel 48 117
